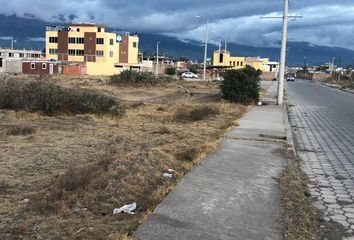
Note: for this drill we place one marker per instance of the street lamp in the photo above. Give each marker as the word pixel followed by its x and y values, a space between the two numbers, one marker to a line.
pixel 157 59
pixel 206 47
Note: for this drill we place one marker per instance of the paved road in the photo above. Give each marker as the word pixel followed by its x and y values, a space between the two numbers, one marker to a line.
pixel 323 125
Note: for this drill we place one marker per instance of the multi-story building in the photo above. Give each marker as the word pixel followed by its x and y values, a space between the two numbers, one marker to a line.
pixel 104 53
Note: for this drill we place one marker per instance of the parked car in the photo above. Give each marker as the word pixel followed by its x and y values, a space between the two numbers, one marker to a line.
pixel 290 79
pixel 189 75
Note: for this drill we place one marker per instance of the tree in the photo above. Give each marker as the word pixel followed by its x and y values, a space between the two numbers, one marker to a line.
pixel 170 71
pixel 193 69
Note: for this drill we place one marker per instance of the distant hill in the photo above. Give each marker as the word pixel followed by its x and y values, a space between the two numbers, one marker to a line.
pixel 29 34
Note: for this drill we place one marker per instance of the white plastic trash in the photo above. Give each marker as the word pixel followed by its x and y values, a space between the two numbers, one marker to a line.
pixel 129 208
pixel 167 175
pixel 259 103
pixel 171 170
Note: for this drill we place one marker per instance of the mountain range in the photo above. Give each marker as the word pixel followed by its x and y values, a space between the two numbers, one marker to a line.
pixel 29 34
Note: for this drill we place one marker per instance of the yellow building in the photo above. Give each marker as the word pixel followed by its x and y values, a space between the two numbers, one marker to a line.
pixel 224 59
pixel 258 63
pixel 104 53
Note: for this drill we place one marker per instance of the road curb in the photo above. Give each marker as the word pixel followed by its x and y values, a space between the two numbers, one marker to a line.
pixel 338 88
pixel 288 128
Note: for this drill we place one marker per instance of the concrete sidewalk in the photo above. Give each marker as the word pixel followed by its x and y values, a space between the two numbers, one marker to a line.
pixel 233 193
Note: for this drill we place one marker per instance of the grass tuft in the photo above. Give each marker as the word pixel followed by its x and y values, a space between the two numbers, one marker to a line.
pixel 20 131
pixel 301 222
pixel 197 113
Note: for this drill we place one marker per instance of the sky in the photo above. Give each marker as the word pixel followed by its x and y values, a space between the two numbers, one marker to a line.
pixel 324 22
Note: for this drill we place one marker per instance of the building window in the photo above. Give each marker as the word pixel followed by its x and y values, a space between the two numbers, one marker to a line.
pixel 33 66
pixel 0 62
pixel 53 51
pixel 111 41
pixel 100 41
pixel 99 29
pixel 99 53
pixel 22 55
pixel 80 40
pixel 111 54
pixel 79 52
pixel 135 44
pixel 44 66
pixel 72 40
pixel 11 55
pixel 221 58
pixel 78 30
pixel 230 63
pixel 72 52
pixel 53 39
pixel 241 64
pixel 238 63
pixel 234 63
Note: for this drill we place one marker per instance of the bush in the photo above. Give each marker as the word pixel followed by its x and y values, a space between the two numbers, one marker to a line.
pixel 188 154
pixel 134 77
pixel 170 71
pixel 193 69
pixel 51 99
pixel 242 86
pixel 196 114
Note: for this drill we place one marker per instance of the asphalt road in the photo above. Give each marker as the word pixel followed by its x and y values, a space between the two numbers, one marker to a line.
pixel 323 124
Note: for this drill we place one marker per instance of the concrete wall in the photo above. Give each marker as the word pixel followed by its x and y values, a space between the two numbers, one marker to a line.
pixel 11 66
pixel 268 76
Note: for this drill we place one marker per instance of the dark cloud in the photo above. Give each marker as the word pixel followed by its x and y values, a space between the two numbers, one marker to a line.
pixel 325 22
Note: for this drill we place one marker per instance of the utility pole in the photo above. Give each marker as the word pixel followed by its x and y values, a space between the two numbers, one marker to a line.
pixel 305 64
pixel 206 49
pixel 12 43
pixel 225 45
pixel 285 18
pixel 157 59
pixel 220 45
pixel 283 54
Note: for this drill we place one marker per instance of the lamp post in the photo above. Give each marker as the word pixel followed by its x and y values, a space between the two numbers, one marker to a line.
pixel 205 47
pixel 157 59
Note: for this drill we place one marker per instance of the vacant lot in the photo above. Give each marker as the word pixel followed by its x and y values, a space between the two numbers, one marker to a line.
pixel 61 176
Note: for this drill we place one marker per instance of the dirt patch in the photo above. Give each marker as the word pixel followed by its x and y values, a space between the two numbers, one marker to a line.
pixel 63 180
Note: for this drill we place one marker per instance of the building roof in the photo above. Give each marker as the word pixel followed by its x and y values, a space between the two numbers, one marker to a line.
pixel 86 25
pixel 9 50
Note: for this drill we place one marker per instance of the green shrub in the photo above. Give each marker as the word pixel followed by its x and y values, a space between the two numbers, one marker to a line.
pixel 134 77
pixel 242 86
pixel 193 69
pixel 51 99
pixel 170 71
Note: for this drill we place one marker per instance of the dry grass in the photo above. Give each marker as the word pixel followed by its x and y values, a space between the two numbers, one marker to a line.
pixel 300 217
pixel 76 169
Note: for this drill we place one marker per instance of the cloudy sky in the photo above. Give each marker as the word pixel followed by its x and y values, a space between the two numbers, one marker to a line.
pixel 325 22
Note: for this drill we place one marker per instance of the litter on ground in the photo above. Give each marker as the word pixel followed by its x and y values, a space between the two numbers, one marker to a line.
pixel 129 208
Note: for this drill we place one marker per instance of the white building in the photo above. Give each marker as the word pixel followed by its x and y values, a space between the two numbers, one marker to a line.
pixel 11 60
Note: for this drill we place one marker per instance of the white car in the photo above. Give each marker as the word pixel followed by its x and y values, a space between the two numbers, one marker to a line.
pixel 290 79
pixel 189 75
